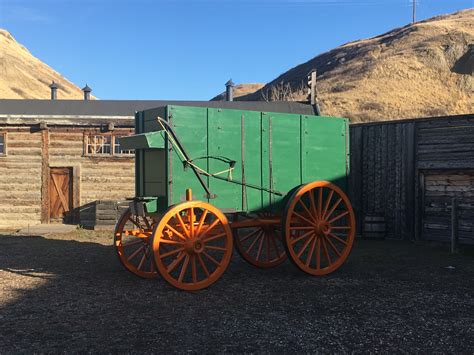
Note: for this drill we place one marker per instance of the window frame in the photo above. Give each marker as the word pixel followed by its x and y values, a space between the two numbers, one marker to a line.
pixel 112 145
pixel 5 139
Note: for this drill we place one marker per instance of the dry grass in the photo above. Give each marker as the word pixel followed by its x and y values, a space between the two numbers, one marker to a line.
pixel 23 76
pixel 419 70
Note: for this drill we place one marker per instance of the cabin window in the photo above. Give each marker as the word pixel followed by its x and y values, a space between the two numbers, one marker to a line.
pixel 3 144
pixel 104 145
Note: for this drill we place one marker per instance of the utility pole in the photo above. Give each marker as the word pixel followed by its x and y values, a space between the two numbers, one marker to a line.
pixel 414 11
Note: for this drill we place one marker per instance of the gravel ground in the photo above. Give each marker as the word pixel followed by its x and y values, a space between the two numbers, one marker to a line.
pixel 68 293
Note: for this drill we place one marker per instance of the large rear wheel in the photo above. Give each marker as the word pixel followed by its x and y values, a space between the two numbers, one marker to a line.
pixel 319 227
pixel 192 245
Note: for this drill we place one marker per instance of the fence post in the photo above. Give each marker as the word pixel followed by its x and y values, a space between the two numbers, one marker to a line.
pixel 454 226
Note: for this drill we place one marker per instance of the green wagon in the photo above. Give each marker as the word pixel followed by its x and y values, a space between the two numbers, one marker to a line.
pixel 209 178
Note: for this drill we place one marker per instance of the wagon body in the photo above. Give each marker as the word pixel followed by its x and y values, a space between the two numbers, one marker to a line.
pixel 273 154
pixel 272 184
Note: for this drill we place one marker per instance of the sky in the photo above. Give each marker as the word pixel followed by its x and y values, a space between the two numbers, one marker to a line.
pixel 188 49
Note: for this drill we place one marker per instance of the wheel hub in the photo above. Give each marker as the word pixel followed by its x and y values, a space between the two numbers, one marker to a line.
pixel 322 228
pixel 194 246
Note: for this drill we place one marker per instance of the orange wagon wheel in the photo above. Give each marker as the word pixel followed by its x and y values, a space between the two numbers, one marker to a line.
pixel 192 245
pixel 133 244
pixel 319 228
pixel 261 246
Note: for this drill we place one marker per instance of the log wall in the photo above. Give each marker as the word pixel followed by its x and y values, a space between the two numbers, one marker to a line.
pixel 25 169
pixel 394 168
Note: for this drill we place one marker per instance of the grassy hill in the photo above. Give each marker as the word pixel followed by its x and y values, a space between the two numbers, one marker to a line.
pixel 422 69
pixel 23 76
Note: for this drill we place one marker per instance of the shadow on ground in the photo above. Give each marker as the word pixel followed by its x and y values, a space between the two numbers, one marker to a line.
pixel 67 295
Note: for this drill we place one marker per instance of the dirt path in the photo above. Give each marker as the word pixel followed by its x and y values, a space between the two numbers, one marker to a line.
pixel 69 293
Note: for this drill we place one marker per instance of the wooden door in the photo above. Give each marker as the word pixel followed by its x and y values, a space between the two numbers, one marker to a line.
pixel 439 188
pixel 60 193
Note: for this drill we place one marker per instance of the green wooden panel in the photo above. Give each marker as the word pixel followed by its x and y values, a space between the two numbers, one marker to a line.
pixel 143 141
pixel 253 160
pixel 225 140
pixel 285 148
pixel 154 172
pixel 190 125
pixel 324 150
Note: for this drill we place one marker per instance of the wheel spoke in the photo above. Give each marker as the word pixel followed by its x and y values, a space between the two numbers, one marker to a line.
pixel 341 227
pixel 260 246
pixel 320 202
pixel 203 265
pixel 275 246
pixel 311 252
pixel 135 253
pixel 172 252
pixel 333 247
pixel 331 211
pixel 307 210
pixel 313 204
pixel 303 218
pixel 211 258
pixel 326 253
pixel 301 228
pixel 305 245
pixel 212 247
pixel 213 224
pixel 175 263
pixel 326 205
pixel 201 222
pixel 169 241
pixel 175 232
pixel 254 242
pixel 249 235
pixel 213 237
pixel 183 225
pixel 337 238
pixel 135 242
pixel 184 268
pixel 338 217
pixel 142 261
pixel 191 222
pixel 301 237
pixel 193 268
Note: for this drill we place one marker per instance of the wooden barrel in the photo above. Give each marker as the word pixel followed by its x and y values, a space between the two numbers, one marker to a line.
pixel 374 226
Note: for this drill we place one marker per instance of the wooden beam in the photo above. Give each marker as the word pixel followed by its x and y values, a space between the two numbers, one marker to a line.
pixel 45 176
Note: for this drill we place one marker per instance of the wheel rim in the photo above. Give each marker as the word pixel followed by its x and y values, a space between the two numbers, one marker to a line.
pixel 133 244
pixel 261 246
pixel 192 245
pixel 319 228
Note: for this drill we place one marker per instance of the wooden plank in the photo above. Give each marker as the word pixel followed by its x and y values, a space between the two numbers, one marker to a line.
pixel 45 176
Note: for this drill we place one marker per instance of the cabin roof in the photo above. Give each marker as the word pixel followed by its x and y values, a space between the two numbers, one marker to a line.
pixel 127 108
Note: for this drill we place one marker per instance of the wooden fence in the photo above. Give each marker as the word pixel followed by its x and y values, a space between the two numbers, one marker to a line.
pixel 405 173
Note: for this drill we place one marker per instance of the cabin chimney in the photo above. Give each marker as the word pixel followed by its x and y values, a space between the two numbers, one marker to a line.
pixel 229 91
pixel 87 92
pixel 54 89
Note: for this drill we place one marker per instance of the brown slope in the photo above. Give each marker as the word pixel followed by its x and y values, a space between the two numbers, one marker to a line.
pixel 23 76
pixel 424 69
pixel 240 90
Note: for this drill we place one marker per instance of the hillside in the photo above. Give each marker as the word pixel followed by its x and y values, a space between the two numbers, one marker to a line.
pixel 23 76
pixel 424 69
pixel 240 90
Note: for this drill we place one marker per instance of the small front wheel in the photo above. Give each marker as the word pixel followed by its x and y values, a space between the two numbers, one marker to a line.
pixel 192 245
pixel 133 245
